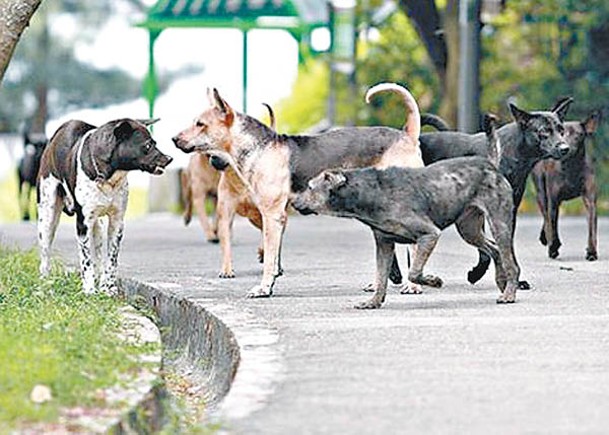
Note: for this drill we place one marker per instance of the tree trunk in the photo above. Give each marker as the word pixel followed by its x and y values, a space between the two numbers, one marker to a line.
pixel 14 17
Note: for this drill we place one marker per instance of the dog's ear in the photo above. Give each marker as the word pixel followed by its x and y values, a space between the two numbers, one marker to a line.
pixel 148 121
pixel 562 107
pixel 591 123
pixel 123 131
pixel 224 108
pixel 335 179
pixel 520 116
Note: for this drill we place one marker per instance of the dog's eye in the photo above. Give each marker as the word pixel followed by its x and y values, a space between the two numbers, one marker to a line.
pixel 544 133
pixel 199 124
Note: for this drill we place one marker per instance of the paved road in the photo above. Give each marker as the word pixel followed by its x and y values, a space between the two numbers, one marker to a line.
pixel 448 361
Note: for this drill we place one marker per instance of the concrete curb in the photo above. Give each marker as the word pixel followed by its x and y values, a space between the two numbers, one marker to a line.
pixel 196 344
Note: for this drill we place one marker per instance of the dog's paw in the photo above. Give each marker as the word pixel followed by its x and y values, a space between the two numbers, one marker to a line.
pixel 226 274
pixel 542 238
pixel 259 291
pixel 591 255
pixel 507 298
pixel 369 288
pixel 524 285
pixel 370 304
pixel 410 288
pixel 431 281
pixel 553 253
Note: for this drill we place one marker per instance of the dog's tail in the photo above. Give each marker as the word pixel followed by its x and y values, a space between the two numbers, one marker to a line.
pixel 413 120
pixel 271 115
pixel 494 145
pixel 186 195
pixel 434 121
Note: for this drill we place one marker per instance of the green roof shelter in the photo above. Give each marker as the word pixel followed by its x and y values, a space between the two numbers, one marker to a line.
pixel 298 17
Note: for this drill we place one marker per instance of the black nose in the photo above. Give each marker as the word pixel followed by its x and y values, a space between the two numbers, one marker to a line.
pixel 175 139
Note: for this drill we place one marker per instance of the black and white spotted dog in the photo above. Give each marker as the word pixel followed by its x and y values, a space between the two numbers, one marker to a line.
pixel 84 172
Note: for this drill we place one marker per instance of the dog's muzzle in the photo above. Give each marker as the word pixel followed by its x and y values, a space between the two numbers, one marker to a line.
pixel 302 208
pixel 561 151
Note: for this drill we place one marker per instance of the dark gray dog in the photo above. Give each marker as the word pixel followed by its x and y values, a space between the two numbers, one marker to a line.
pixel 27 169
pixel 532 136
pixel 84 172
pixel 561 180
pixel 404 205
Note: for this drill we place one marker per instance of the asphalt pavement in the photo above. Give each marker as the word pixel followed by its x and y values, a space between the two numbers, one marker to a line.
pixel 447 361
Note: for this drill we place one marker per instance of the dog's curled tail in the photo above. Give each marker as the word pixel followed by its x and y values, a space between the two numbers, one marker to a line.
pixel 494 145
pixel 413 120
pixel 271 115
pixel 434 121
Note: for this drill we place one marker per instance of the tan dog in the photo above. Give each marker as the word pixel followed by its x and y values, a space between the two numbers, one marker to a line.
pixel 275 166
pixel 201 181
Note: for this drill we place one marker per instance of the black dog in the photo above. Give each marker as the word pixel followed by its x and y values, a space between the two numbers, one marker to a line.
pixel 413 205
pixel 27 170
pixel 532 136
pixel 562 180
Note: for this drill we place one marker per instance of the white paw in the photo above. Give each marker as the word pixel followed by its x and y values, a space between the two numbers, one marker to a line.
pixel 259 291
pixel 410 288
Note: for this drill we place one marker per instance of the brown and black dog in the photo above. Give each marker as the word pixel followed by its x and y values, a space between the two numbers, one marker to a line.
pixel 273 166
pixel 561 180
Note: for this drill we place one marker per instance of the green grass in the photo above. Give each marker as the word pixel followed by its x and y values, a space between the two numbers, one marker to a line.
pixel 52 334
pixel 9 203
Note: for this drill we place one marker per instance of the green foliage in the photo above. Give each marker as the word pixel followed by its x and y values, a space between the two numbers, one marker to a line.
pixel 52 334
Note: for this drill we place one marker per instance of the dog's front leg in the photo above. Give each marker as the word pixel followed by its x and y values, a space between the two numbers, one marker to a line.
pixel 552 228
pixel 273 226
pixel 425 246
pixel 385 250
pixel 115 236
pixel 225 212
pixel 84 231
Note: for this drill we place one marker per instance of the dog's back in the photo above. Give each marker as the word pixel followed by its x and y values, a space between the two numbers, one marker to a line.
pixel 59 157
pixel 348 147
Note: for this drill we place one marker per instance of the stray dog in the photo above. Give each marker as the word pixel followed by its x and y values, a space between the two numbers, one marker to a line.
pixel 27 170
pixel 413 205
pixel 532 137
pixel 84 172
pixel 272 165
pixel 199 182
pixel 560 180
pixel 212 176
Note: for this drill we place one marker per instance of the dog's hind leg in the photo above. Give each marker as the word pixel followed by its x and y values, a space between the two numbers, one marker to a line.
pixel 552 228
pixel 49 211
pixel 470 228
pixel 539 181
pixel 507 270
pixel 589 198
pixel 385 251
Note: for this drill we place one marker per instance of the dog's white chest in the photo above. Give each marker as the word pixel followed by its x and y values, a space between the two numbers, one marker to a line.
pixel 102 198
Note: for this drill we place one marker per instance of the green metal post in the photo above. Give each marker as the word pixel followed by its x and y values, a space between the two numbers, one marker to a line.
pixel 244 71
pixel 151 87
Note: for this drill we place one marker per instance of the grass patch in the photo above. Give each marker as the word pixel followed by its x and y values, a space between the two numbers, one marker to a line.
pixel 52 334
pixel 9 206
